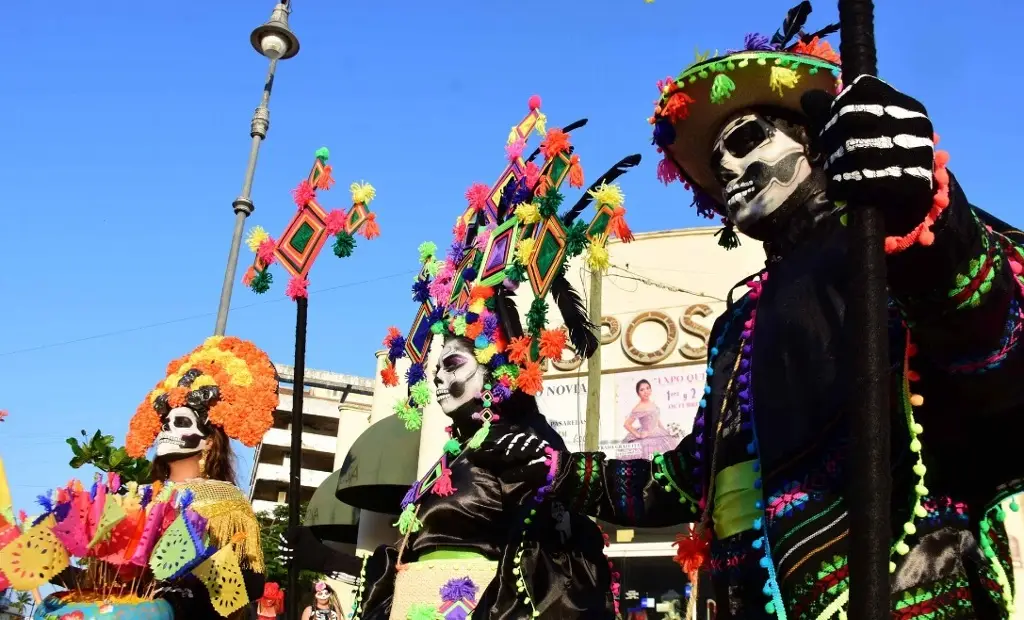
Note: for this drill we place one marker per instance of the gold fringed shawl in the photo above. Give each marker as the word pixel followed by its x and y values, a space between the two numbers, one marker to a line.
pixel 228 512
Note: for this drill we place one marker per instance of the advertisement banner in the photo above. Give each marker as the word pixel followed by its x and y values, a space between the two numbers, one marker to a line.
pixel 642 411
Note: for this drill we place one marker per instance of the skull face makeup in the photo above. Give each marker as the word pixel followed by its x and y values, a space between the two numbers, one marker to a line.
pixel 460 377
pixel 759 167
pixel 181 435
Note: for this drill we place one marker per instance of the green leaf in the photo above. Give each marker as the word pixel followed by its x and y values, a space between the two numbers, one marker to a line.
pixel 117 457
pixel 76 462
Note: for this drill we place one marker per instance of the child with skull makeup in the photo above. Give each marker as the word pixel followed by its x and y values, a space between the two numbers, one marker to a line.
pixel 224 389
pixel 762 476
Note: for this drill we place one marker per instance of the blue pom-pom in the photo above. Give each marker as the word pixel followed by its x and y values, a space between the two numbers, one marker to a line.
pixel 397 349
pixel 664 133
pixel 472 317
pixel 469 274
pixel 436 315
pixel 481 342
pixel 499 360
pixel 415 374
pixel 421 291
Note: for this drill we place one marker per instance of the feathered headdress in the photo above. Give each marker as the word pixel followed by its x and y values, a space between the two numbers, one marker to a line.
pixel 510 234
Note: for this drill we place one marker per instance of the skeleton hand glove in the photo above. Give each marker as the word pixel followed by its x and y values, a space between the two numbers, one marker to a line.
pixel 878 149
pixel 514 457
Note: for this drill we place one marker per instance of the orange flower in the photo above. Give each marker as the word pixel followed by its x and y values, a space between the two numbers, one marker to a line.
pixel 557 141
pixel 389 376
pixel 176 396
pixel 529 380
pixel 142 430
pixel 520 349
pixel 552 342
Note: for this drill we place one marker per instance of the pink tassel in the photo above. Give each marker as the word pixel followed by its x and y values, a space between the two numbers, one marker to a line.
pixel 303 194
pixel 667 171
pixel 266 251
pixel 443 486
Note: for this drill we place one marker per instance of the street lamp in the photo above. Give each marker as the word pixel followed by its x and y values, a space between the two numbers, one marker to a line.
pixel 275 41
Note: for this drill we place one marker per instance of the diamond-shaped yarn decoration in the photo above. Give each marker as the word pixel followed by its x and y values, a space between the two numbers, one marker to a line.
pixel 548 253
pixel 498 255
pixel 599 225
pixel 418 343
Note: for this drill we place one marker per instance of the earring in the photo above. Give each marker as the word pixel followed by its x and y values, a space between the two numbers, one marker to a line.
pixel 202 464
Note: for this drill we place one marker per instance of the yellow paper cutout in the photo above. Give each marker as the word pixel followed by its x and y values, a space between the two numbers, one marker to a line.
pixel 6 505
pixel 222 577
pixel 35 557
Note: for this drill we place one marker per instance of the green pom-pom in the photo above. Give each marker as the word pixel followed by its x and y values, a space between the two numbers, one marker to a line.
pixel 452 447
pixel 576 239
pixel 344 243
pixel 437 328
pixel 427 250
pixel 516 272
pixel 459 325
pixel 549 203
pixel 722 88
pixel 420 393
pixel 433 267
pixel 412 417
pixel 727 237
pixel 480 436
pixel 407 521
pixel 537 317
pixel 423 611
pixel 261 283
pixel 323 154
pixel 506 370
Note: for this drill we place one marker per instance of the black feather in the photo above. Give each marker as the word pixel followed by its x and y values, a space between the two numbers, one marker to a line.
pixel 795 20
pixel 613 173
pixel 575 316
pixel 506 195
pixel 508 313
pixel 821 34
pixel 567 129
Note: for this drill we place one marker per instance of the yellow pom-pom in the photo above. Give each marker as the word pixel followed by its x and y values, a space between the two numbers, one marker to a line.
pixel 477 307
pixel 362 193
pixel 524 250
pixel 783 77
pixel 608 195
pixel 597 257
pixel 485 354
pixel 528 213
pixel 257 235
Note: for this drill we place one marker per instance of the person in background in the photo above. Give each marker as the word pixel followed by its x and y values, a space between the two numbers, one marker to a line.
pixel 326 605
pixel 651 434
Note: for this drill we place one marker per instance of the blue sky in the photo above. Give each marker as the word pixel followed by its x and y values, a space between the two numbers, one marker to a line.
pixel 126 133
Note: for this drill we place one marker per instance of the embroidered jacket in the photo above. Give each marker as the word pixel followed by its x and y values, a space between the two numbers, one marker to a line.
pixel 776 448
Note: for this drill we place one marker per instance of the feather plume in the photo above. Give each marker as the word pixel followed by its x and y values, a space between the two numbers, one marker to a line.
pixel 508 313
pixel 795 20
pixel 568 128
pixel 821 34
pixel 574 314
pixel 505 203
pixel 613 173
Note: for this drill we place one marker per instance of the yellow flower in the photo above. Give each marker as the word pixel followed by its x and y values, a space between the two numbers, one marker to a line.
pixel 528 213
pixel 524 250
pixel 257 235
pixel 610 195
pixel 783 76
pixel 362 193
pixel 542 124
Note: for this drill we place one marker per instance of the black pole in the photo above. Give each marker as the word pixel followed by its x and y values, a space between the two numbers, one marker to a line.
pixel 868 338
pixel 294 478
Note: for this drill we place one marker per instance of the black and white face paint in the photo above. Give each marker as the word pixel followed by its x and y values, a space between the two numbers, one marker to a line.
pixel 759 167
pixel 460 377
pixel 181 435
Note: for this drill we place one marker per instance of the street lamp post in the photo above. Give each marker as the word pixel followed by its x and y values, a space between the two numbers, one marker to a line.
pixel 275 41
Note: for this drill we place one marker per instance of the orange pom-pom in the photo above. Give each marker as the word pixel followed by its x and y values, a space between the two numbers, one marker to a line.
pixel 557 141
pixel 575 172
pixel 692 551
pixel 389 376
pixel 552 343
pixel 480 292
pixel 393 332
pixel 370 228
pixel 519 349
pixel 474 329
pixel 530 380
pixel 325 180
pixel 618 227
pixel 677 107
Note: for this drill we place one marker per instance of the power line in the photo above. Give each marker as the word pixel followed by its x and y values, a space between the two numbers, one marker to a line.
pixel 193 317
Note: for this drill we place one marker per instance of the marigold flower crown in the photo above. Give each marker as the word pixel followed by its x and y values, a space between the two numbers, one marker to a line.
pixel 511 233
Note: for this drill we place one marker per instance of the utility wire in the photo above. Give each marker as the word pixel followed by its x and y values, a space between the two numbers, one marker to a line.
pixel 194 316
pixel 649 282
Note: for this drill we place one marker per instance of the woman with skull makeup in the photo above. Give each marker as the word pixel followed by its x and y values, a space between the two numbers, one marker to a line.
pixel 471 542
pixel 226 388
pixel 325 604
pixel 762 477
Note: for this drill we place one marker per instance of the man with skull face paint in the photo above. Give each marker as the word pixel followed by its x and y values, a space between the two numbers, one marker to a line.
pixel 762 476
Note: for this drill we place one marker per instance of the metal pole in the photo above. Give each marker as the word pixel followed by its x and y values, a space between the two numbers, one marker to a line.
pixel 868 341
pixel 593 429
pixel 243 204
pixel 294 478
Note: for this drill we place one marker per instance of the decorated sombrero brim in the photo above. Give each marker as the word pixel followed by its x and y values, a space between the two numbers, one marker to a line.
pixel 693 107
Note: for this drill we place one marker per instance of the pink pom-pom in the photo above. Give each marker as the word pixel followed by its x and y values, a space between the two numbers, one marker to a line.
pixel 297 287
pixel 266 251
pixel 534 102
pixel 515 150
pixel 477 196
pixel 335 221
pixel 667 171
pixel 303 194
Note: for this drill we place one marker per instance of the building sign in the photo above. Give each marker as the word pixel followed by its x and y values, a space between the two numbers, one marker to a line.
pixel 692 343
pixel 642 412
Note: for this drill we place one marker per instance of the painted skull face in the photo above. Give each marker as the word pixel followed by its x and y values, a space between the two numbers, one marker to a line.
pixel 459 378
pixel 181 434
pixel 322 592
pixel 759 167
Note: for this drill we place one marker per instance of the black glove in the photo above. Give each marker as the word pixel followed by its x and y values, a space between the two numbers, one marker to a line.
pixel 313 555
pixel 878 149
pixel 514 456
